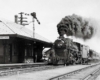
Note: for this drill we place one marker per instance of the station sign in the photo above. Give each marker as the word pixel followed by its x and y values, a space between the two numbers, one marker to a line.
pixel 4 37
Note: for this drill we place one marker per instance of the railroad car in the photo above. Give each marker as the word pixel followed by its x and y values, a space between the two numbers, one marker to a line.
pixel 93 56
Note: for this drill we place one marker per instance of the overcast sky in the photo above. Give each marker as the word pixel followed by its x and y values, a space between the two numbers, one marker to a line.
pixel 50 12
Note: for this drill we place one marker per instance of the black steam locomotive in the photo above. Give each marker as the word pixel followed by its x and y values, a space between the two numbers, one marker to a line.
pixel 65 51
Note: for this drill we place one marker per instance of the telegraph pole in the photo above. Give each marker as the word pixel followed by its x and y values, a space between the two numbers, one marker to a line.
pixel 21 20
pixel 21 17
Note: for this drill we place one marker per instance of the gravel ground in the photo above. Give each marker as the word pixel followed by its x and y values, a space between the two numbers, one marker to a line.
pixel 43 75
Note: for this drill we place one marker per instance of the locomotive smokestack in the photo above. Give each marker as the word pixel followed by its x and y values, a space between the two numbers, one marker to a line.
pixel 76 26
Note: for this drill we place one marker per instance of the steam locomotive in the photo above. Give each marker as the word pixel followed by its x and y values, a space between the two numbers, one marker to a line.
pixel 66 51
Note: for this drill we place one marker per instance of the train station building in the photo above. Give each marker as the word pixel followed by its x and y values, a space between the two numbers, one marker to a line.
pixel 17 44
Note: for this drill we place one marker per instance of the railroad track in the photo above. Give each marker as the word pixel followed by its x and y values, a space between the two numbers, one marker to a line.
pixel 7 71
pixel 87 73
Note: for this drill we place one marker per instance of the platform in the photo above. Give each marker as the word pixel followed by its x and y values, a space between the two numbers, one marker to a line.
pixel 44 75
pixel 21 64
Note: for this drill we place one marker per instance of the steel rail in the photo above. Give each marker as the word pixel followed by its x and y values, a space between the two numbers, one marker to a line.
pixel 60 77
pixel 92 75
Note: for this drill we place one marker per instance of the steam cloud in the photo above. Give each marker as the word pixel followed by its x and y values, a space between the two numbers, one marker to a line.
pixel 76 26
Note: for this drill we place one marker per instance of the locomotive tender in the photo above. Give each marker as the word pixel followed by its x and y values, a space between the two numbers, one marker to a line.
pixel 65 51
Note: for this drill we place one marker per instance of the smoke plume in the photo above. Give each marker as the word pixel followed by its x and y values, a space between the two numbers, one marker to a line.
pixel 76 26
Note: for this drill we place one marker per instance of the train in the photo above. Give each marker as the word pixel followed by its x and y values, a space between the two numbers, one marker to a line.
pixel 66 51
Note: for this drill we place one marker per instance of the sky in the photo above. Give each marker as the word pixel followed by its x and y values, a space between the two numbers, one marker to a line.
pixel 50 13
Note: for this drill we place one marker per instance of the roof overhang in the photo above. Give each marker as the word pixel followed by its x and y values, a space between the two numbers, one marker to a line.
pixel 46 44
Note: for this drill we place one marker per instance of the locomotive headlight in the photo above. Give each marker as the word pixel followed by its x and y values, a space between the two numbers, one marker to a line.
pixel 59 45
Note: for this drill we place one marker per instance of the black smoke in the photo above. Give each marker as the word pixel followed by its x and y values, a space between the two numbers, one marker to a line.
pixel 75 25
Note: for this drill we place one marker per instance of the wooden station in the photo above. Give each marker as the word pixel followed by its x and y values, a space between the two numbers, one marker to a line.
pixel 17 44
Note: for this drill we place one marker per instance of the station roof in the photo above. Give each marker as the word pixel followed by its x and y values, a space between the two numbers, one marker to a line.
pixel 11 28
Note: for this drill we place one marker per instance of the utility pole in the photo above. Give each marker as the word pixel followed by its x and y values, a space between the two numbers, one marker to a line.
pixel 21 17
pixel 21 20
